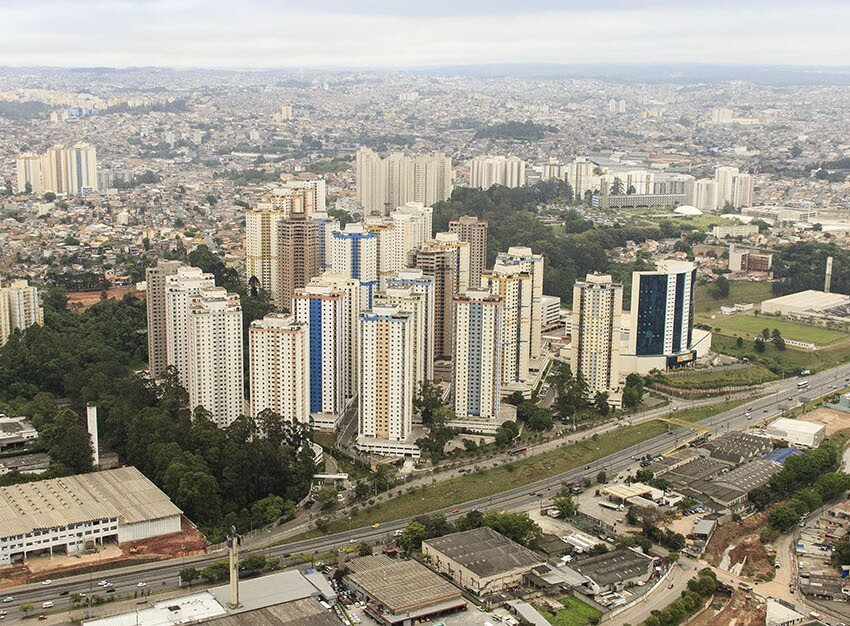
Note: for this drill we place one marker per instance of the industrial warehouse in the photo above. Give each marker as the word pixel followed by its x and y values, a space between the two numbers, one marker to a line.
pixel 70 514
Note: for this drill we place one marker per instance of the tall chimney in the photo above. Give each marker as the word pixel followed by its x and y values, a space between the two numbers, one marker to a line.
pixel 233 541
pixel 827 283
pixel 91 424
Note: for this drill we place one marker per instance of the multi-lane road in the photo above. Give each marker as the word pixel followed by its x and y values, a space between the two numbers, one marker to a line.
pixel 164 574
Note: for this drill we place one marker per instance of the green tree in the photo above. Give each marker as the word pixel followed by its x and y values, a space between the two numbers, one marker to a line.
pixel 383 477
pixel 784 518
pixel 765 333
pixel 26 608
pixel 600 401
pixel 566 506
pixel 506 433
pixel 364 549
pixel 189 575
pixel 327 497
pixel 516 526
pixel 412 536
pixel 720 288
pixel 841 555
pixel 601 477
pixel 216 572
pixel 426 401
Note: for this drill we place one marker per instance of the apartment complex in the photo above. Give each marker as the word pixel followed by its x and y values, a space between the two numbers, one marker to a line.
pixel 279 357
pixel 473 231
pixel 476 375
pixel 394 180
pixel 597 310
pixel 386 382
pixel 354 254
pixel 513 286
pixel 19 308
pixel 180 288
pixel 60 169
pixel 486 171
pixel 157 326
pixel 215 380
pixel 531 264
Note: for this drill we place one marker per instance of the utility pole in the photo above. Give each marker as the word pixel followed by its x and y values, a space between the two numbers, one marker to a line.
pixel 234 540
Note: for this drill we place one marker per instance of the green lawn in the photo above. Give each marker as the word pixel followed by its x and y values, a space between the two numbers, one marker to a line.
pixel 750 326
pixel 702 412
pixel 720 377
pixel 484 483
pixel 790 361
pixel 576 613
pixel 739 292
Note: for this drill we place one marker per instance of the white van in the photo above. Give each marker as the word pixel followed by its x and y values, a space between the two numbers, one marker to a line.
pixel 47 605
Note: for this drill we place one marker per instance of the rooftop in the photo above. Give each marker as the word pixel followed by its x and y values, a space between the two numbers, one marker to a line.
pixel 400 586
pixel 485 552
pixel 751 476
pixel 810 300
pixel 613 567
pixel 122 493
pixel 800 426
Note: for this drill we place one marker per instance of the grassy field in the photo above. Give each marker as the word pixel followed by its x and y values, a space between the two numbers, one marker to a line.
pixel 720 377
pixel 790 361
pixel 489 482
pixel 702 412
pixel 575 613
pixel 739 291
pixel 750 326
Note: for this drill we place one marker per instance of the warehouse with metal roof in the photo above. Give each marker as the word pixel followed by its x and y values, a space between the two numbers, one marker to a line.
pixel 64 515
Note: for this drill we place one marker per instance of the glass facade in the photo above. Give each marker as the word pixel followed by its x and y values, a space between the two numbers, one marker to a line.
pixel 652 312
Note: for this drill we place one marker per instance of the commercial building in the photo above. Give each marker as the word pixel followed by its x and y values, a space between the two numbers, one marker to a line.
pixel 446 260
pixel 324 309
pixel 597 310
pixel 481 560
pixel 157 325
pixel 531 264
pixel 486 171
pixel 476 373
pixel 473 231
pixel 63 515
pixel 779 214
pixel 551 314
pixel 401 591
pixel 809 303
pixel 19 308
pixel 392 181
pixel 180 288
pixel 215 355
pixel 663 315
pixel 386 382
pixel 513 287
pixel 741 260
pixel 280 367
pixel 796 432
pixel 613 570
pixel 354 254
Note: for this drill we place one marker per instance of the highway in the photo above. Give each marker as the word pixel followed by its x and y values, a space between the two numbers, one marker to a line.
pixel 164 574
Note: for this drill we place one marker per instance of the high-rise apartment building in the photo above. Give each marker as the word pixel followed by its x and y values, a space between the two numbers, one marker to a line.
pixel 298 255
pixel 289 200
pixel 386 183
pixel 704 195
pixel 446 260
pixel 279 359
pixel 386 382
pixel 215 355
pixel 473 231
pixel 415 303
pixel 28 169
pixel 398 235
pixel 486 171
pixel 733 188
pixel 514 287
pixel 61 170
pixel 580 176
pixel 532 264
pixel 416 280
pixel 354 253
pixel 322 307
pixel 180 288
pixel 476 373
pixel 157 326
pixel 19 308
pixel 662 310
pixel 262 264
pixel 315 186
pixel 326 226
pixel 597 313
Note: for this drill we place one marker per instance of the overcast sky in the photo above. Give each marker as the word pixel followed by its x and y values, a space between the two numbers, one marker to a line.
pixel 401 33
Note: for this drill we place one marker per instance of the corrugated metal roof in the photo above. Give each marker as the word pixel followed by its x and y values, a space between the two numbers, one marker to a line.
pixel 122 493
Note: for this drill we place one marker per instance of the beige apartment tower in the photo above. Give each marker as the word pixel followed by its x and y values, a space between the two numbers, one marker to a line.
pixel 473 231
pixel 157 339
pixel 298 256
pixel 597 311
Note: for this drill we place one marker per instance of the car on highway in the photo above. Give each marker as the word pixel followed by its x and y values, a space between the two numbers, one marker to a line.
pixel 46 582
pixel 8 599
pixel 103 583
pixel 110 590
pixel 141 584
pixel 455 510
pixel 42 617
pixel 376 525
pixel 47 605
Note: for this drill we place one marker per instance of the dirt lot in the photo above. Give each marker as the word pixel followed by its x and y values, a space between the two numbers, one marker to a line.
pixel 739 610
pixel 190 541
pixel 79 300
pixel 747 556
pixel 833 419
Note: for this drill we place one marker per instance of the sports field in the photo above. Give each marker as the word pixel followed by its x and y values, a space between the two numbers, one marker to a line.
pixel 750 326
